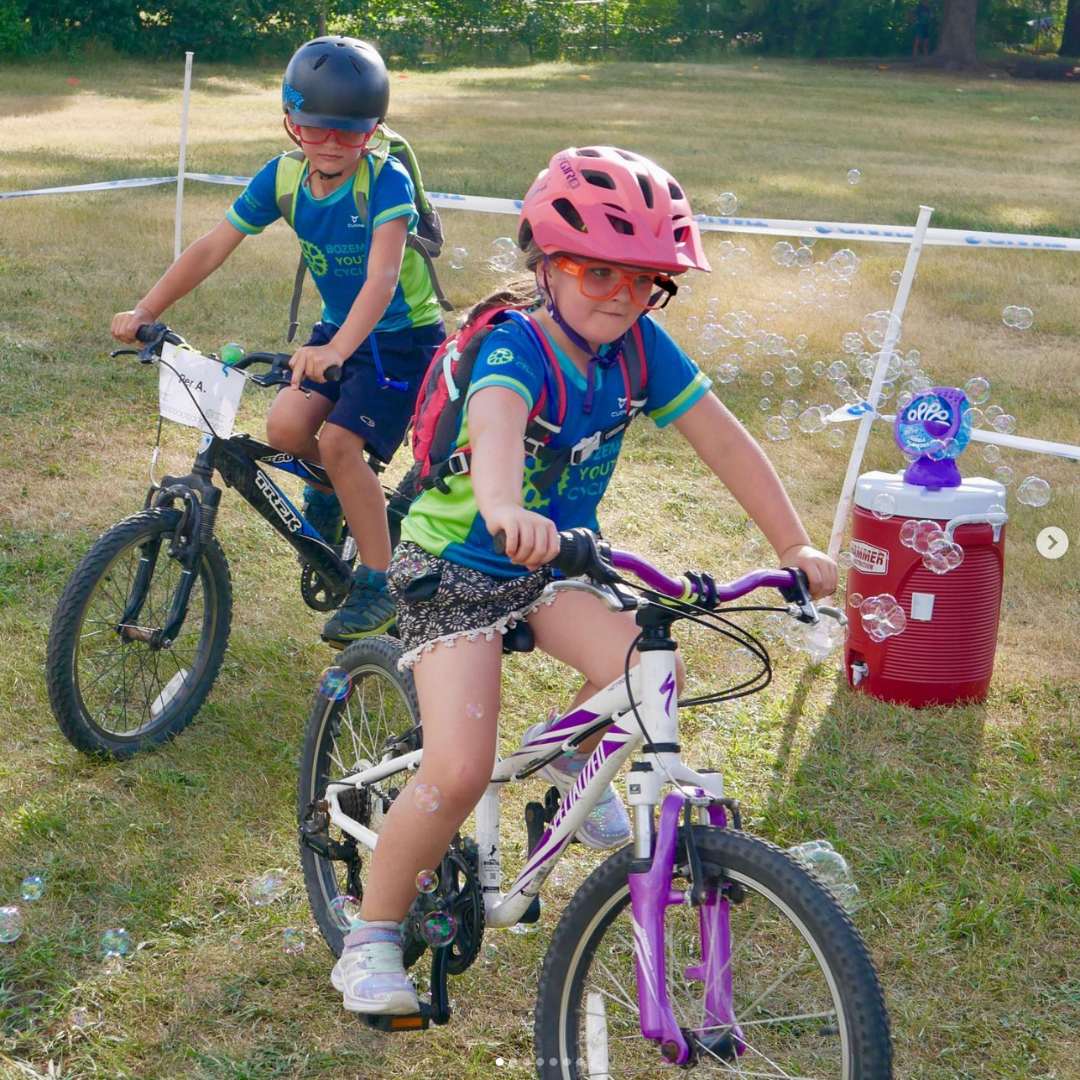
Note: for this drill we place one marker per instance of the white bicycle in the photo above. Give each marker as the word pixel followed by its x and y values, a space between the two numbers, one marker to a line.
pixel 695 945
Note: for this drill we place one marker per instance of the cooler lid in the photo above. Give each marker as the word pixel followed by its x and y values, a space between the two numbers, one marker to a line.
pixel 975 495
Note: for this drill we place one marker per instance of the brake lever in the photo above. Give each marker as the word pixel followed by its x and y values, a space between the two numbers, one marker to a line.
pixel 798 595
pixel 124 352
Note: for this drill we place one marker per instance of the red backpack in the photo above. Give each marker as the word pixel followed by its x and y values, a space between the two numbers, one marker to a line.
pixel 437 418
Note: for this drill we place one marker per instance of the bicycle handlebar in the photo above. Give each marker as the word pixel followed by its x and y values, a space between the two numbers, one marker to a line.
pixel 154 335
pixel 582 553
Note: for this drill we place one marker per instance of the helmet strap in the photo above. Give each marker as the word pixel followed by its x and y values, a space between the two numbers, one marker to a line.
pixel 605 361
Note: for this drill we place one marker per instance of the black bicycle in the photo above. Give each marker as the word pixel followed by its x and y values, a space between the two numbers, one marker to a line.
pixel 140 631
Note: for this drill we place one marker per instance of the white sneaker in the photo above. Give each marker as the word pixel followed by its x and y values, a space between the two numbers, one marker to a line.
pixel 371 977
pixel 607 824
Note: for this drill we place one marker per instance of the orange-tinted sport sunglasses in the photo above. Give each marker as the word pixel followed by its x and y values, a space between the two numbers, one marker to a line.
pixel 602 281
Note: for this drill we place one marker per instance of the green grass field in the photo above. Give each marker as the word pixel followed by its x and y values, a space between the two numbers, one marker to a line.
pixel 960 824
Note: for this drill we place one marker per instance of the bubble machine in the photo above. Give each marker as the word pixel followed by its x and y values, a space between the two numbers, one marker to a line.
pixel 936 543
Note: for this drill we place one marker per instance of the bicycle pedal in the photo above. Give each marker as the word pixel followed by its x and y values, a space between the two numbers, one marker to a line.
pixel 419 1021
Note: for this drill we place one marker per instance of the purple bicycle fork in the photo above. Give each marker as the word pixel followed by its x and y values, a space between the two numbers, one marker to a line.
pixel 651 894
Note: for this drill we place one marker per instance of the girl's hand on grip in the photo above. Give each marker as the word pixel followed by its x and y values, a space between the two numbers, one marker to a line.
pixel 531 540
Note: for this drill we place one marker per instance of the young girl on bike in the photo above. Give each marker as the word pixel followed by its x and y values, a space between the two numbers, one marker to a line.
pixel 604 232
pixel 381 320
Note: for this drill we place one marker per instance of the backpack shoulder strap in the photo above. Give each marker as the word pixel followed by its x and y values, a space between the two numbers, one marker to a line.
pixel 287 180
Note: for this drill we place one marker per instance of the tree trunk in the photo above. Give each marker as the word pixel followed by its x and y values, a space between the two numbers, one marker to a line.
pixel 956 44
pixel 1070 37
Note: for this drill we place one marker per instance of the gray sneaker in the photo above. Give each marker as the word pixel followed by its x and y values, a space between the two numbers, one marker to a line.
pixel 370 974
pixel 607 824
pixel 368 609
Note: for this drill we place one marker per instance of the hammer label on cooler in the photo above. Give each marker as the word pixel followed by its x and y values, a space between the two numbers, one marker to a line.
pixel 869 559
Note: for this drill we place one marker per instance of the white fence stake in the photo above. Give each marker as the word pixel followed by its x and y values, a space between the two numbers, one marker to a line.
pixel 843 507
pixel 177 243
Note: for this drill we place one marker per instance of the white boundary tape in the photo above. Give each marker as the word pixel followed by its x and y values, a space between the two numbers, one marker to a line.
pixel 827 230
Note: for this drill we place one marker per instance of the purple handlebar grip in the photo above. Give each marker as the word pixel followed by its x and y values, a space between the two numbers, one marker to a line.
pixel 659 582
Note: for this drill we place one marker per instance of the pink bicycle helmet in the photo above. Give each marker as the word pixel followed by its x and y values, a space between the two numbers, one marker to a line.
pixel 604 203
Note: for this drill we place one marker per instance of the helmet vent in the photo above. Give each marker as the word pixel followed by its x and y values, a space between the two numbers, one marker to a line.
pixel 626 155
pixel 682 234
pixel 588 151
pixel 646 190
pixel 356 64
pixel 319 63
pixel 599 179
pixel 568 212
pixel 621 225
pixel 675 191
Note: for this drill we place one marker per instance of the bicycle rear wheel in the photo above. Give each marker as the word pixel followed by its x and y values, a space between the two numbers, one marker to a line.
pixel 113 690
pixel 807 999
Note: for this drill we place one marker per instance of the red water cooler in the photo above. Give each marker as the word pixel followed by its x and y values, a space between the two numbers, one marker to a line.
pixel 945 654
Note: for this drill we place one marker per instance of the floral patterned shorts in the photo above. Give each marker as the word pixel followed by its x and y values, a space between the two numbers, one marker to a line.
pixel 441 601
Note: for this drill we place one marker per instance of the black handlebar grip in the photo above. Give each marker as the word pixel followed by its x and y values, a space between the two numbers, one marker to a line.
pixel 149 332
pixel 332 373
pixel 577 551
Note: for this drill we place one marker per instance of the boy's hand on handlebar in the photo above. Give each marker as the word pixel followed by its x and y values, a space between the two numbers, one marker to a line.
pixel 311 362
pixel 820 570
pixel 125 324
pixel 531 539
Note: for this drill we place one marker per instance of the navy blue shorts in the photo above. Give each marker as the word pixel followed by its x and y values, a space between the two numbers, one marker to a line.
pixel 378 414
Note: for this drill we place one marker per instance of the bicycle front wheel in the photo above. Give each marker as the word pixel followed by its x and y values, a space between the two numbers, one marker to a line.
pixel 113 688
pixel 807 1000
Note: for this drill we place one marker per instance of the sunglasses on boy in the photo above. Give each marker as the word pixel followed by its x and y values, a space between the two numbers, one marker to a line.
pixel 602 281
pixel 316 136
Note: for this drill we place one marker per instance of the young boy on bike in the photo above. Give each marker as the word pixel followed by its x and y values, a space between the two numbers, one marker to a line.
pixel 381 320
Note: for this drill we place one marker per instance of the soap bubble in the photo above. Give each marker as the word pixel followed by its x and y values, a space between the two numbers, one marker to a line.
pixel 836 436
pixel 854 176
pixel 811 421
pixel 265 889
pixel 767 378
pixel 878 325
pixel 830 868
pixel 843 263
pixel 856 600
pixel 81 1017
pixel 977 389
pixel 765 404
pixel 726 203
pixel 335 683
pixel 504 253
pixel 1033 491
pixel 818 368
pixel 793 376
pixel 991 453
pixel 883 505
pixel 852 342
pixel 458 258
pixel 474 711
pixel 820 640
pixel 777 429
pixel 292 941
pixel 427 881
pixel 33 887
pixel 882 617
pixel 837 370
pixel 345 911
pixel 803 256
pixel 11 924
pixel 727 373
pixel 783 254
pixel 907 532
pixel 1004 475
pixel 992 412
pixel 1019 318
pixel 116 942
pixel 926 532
pixel 844 560
pixel 896 277
pixel 438 928
pixel 1005 423
pixel 427 797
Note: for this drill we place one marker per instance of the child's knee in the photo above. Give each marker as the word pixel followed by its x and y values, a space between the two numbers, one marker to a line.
pixel 337 443
pixel 284 433
pixel 459 782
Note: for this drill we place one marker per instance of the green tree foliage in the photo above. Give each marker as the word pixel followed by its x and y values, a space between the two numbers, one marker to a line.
pixel 505 31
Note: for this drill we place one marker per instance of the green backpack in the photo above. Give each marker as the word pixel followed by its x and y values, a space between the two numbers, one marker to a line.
pixel 427 241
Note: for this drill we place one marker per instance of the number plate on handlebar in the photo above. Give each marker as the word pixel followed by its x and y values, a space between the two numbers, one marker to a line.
pixel 189 382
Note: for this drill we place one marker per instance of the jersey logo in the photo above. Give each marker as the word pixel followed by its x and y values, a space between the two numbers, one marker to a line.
pixel 498 357
pixel 355 222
